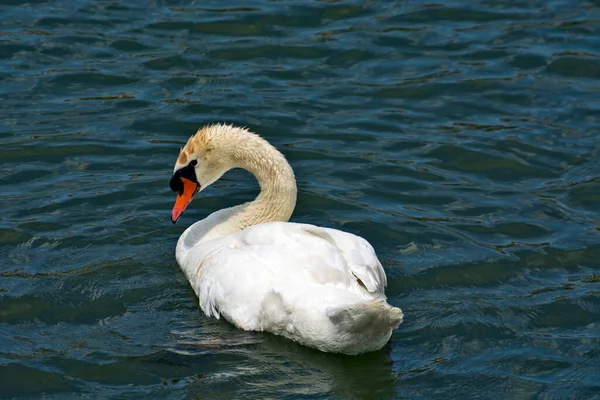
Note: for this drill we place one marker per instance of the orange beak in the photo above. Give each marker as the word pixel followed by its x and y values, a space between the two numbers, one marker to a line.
pixel 184 198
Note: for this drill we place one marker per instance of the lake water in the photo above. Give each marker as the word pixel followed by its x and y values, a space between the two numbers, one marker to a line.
pixel 460 138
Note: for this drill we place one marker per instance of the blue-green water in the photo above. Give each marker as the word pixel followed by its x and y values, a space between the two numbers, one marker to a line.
pixel 460 138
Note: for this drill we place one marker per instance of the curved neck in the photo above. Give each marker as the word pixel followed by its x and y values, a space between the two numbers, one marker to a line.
pixel 277 198
pixel 276 201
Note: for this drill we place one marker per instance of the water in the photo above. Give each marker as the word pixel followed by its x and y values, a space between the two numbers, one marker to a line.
pixel 460 138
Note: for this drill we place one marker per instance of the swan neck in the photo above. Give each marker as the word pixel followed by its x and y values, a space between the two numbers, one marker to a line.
pixel 277 198
pixel 275 202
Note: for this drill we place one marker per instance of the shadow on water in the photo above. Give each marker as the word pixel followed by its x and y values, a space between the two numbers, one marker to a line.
pixel 271 366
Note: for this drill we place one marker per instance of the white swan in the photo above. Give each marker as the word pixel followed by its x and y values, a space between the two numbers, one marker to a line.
pixel 321 287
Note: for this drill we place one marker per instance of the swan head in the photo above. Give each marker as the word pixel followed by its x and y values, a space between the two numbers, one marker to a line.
pixel 200 163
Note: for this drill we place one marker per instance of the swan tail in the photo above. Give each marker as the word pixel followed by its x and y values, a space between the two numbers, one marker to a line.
pixel 375 314
pixel 328 319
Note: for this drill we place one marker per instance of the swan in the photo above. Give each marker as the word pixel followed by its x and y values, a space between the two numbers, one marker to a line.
pixel 321 287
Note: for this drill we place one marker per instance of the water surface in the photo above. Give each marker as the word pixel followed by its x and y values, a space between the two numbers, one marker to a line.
pixel 460 138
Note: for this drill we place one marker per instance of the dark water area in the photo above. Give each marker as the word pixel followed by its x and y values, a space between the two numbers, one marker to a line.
pixel 460 138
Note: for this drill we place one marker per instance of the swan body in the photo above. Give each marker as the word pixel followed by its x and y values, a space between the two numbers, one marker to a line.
pixel 320 287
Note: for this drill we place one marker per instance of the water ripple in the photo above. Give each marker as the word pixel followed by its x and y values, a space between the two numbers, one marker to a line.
pixel 461 139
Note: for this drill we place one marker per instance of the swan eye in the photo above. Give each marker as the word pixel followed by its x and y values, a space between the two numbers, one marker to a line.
pixel 193 163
